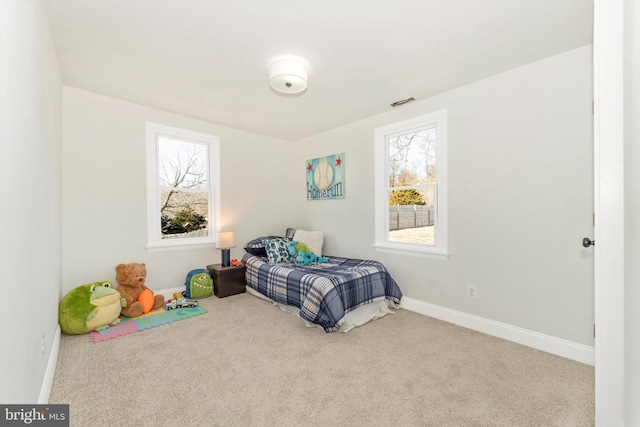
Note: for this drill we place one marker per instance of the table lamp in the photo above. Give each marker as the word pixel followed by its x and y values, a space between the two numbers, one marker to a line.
pixel 226 240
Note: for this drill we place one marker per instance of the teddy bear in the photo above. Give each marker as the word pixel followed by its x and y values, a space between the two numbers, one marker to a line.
pixel 131 278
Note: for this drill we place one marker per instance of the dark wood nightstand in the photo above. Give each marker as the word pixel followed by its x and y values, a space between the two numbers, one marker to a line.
pixel 227 280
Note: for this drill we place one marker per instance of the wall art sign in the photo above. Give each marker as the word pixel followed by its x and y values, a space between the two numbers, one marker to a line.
pixel 325 177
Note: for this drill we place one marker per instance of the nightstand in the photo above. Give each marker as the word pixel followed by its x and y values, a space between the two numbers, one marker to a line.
pixel 227 280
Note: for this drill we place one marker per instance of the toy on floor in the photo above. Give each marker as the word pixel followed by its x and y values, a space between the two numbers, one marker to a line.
pixel 198 284
pixel 131 284
pixel 301 254
pixel 91 307
pixel 146 298
pixel 180 303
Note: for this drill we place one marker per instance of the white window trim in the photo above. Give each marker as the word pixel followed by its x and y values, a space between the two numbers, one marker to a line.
pixel 154 240
pixel 382 242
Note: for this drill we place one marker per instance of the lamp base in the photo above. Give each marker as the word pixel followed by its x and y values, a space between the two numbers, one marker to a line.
pixel 226 258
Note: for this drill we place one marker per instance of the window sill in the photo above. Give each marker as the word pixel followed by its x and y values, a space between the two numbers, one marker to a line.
pixel 177 246
pixel 409 251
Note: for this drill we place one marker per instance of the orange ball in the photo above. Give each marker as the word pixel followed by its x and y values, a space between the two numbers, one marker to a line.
pixel 146 299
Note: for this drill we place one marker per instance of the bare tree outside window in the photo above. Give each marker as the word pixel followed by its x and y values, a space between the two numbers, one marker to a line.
pixel 184 188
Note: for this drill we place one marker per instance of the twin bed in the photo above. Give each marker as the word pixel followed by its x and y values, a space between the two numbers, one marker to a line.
pixel 336 295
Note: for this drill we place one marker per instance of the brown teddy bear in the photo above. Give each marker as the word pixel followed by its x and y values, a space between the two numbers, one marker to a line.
pixel 131 278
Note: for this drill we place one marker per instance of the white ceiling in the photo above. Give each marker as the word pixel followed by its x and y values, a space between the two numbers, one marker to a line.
pixel 209 59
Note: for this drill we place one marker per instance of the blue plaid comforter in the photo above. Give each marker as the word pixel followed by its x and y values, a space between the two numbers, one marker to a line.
pixel 324 292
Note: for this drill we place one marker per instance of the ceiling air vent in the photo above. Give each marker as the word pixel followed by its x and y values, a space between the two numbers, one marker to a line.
pixel 402 102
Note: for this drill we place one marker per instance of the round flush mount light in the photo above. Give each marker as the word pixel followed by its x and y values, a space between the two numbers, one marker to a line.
pixel 288 76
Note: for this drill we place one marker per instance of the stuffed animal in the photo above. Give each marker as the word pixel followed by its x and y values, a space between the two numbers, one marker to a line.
pixel 301 254
pixel 131 284
pixel 296 250
pixel 310 257
pixel 91 307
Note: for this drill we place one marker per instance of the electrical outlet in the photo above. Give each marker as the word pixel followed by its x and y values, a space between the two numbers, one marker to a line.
pixel 472 291
pixel 43 345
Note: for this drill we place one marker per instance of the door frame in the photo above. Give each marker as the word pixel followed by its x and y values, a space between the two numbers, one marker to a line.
pixel 609 212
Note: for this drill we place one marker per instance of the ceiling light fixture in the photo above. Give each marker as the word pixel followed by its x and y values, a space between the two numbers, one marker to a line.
pixel 402 102
pixel 288 76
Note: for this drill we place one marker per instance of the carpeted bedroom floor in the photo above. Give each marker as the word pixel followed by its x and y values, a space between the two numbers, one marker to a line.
pixel 247 363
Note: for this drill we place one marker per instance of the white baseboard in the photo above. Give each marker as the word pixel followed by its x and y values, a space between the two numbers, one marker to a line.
pixel 47 382
pixel 560 347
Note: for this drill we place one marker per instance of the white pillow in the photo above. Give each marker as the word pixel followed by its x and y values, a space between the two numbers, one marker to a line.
pixel 313 239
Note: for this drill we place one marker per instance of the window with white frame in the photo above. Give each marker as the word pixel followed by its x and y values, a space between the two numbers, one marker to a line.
pixel 411 186
pixel 183 175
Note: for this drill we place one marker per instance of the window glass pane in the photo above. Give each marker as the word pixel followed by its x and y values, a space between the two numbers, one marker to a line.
pixel 184 214
pixel 412 158
pixel 184 188
pixel 412 216
pixel 182 164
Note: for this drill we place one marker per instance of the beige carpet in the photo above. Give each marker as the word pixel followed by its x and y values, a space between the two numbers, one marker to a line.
pixel 247 363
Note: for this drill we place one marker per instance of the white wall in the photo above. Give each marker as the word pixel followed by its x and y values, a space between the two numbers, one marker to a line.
pixel 632 209
pixel 104 186
pixel 30 194
pixel 520 153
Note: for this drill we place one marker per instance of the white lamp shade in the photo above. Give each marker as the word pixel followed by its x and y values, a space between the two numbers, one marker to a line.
pixel 288 76
pixel 226 240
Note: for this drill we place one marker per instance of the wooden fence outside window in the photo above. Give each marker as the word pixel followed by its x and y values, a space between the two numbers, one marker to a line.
pixel 410 216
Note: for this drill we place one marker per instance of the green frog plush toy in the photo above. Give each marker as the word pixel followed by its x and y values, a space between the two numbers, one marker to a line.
pixel 91 307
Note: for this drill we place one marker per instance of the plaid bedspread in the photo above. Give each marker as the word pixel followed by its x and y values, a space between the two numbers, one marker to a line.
pixel 324 292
